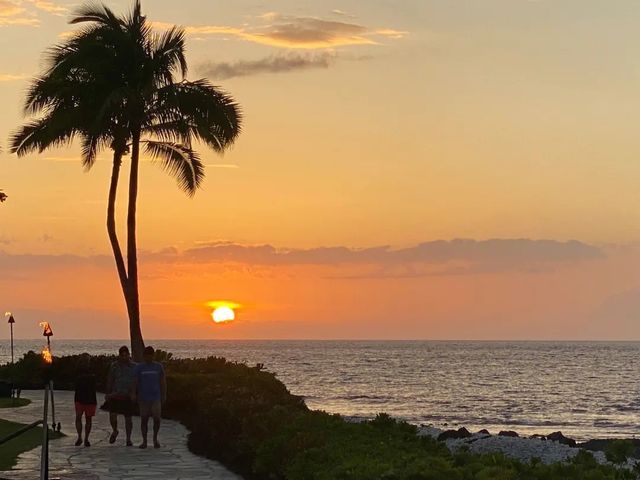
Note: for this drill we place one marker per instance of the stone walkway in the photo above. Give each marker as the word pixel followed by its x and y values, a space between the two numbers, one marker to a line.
pixel 103 461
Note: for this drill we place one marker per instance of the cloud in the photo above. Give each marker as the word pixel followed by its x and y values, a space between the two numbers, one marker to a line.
pixel 341 13
pixel 455 257
pixel 16 13
pixel 13 13
pixel 9 9
pixel 49 7
pixel 437 258
pixel 287 31
pixel 8 77
pixel 31 262
pixel 273 64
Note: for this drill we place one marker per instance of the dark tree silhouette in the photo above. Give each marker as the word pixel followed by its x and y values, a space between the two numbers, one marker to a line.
pixel 118 85
pixel 3 196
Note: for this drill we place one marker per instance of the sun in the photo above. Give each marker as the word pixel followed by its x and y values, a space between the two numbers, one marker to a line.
pixel 223 314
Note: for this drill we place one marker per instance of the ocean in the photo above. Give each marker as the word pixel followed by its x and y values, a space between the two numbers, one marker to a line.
pixel 585 389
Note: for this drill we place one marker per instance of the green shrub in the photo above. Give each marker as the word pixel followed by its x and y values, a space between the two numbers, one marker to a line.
pixel 618 451
pixel 246 418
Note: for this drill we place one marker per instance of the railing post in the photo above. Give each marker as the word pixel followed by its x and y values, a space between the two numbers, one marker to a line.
pixel 53 407
pixel 44 456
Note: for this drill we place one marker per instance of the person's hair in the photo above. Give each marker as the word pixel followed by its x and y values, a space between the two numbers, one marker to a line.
pixel 123 348
pixel 149 350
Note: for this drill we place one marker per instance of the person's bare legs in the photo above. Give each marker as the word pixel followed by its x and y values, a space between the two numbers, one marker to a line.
pixel 79 428
pixel 128 426
pixel 144 428
pixel 88 421
pixel 113 419
pixel 156 429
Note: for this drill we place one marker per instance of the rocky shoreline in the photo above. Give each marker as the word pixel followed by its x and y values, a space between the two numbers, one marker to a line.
pixel 551 448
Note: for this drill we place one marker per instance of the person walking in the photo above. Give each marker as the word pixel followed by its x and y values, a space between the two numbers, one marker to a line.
pixel 85 398
pixel 118 397
pixel 150 390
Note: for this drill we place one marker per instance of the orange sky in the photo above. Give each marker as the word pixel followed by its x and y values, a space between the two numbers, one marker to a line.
pixel 367 124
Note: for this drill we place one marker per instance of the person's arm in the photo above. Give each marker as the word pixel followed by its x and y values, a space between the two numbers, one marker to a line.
pixel 163 385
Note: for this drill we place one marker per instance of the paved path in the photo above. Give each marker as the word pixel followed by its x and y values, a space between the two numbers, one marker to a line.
pixel 102 461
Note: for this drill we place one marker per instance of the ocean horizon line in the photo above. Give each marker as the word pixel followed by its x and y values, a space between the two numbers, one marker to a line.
pixel 362 340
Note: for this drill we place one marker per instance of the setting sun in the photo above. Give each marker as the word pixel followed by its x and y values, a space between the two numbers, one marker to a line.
pixel 223 314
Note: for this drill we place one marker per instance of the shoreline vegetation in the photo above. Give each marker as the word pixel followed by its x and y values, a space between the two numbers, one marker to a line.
pixel 245 418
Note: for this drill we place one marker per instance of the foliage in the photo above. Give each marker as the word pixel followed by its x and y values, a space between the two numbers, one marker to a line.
pixel 618 451
pixel 117 84
pixel 245 418
pixel 30 372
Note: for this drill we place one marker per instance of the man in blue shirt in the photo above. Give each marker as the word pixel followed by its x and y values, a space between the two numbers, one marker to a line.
pixel 150 389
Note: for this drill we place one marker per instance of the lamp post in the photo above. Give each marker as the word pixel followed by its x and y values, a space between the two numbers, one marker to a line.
pixel 48 393
pixel 11 321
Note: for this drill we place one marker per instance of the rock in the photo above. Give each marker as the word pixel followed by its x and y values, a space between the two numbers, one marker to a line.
pixel 560 438
pixel 484 431
pixel 508 433
pixel 454 434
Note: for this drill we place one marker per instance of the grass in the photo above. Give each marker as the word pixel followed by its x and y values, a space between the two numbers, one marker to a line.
pixel 14 402
pixel 23 443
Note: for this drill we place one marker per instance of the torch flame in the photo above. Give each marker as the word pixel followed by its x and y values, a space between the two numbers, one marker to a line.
pixel 46 355
pixel 47 329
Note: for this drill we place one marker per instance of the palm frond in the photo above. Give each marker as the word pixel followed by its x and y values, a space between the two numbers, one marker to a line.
pixel 179 161
pixel 49 131
pixel 215 116
pixel 95 12
pixel 168 54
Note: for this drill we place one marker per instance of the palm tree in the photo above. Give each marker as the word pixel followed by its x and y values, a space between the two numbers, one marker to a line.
pixel 3 196
pixel 118 85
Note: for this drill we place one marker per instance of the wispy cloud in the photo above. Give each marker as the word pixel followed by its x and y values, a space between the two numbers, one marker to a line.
pixel 288 31
pixel 13 13
pixel 342 13
pixel 500 253
pixel 10 9
pixel 221 165
pixel 62 159
pixel 49 6
pixel 24 12
pixel 454 257
pixel 281 63
pixel 8 77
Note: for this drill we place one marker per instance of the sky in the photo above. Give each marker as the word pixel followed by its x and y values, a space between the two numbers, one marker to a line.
pixel 407 170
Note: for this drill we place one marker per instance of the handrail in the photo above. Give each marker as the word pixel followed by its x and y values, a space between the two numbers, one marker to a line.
pixel 20 432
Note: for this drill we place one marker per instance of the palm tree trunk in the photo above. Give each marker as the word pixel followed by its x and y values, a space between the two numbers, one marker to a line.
pixel 111 229
pixel 111 223
pixel 137 342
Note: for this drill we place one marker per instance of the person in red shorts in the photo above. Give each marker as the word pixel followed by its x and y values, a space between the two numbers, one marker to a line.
pixel 85 398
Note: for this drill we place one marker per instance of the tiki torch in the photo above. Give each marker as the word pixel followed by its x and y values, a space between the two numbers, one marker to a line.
pixel 48 360
pixel 11 321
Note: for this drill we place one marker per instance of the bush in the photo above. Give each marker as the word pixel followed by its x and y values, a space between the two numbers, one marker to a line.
pixel 246 418
pixel 618 451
